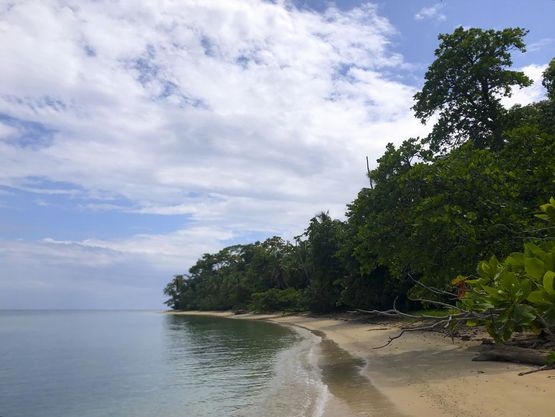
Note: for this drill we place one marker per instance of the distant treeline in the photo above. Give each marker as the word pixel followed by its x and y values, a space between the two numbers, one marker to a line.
pixel 434 207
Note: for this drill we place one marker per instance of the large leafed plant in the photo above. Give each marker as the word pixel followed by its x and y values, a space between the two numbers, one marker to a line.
pixel 517 294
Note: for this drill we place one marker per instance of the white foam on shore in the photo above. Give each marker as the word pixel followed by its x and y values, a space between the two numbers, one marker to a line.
pixel 297 388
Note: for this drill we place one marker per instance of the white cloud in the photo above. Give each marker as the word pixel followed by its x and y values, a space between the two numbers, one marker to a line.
pixel 247 116
pixel 125 273
pixel 527 95
pixel 274 112
pixel 46 275
pixel 431 12
pixel 167 252
pixel 6 131
pixel 540 44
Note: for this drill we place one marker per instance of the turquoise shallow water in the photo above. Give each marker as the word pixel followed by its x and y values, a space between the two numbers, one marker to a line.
pixel 147 364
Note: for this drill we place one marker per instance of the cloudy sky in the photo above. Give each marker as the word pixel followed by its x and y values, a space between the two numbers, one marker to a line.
pixel 137 135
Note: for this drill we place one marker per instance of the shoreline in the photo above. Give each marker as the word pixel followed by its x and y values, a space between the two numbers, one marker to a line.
pixel 422 374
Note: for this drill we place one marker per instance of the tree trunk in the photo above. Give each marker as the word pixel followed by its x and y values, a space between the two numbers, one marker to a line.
pixel 502 353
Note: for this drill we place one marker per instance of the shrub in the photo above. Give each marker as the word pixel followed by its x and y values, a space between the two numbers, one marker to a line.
pixel 517 294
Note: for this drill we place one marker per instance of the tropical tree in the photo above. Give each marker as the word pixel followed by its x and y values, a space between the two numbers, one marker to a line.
pixel 465 85
pixel 549 79
pixel 324 235
pixel 427 216
pixel 174 290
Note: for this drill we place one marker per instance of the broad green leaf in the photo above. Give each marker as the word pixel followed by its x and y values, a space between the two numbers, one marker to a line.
pixel 524 314
pixel 549 261
pixel 534 268
pixel 507 280
pixel 515 259
pixel 484 269
pixel 548 279
pixel 538 297
pixel 531 250
pixel 492 292
pixel 524 288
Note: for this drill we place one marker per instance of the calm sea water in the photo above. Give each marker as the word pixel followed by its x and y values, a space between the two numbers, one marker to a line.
pixel 147 364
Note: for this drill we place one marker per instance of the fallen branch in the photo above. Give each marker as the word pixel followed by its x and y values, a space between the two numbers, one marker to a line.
pixel 515 354
pixel 394 312
pixel 541 368
pixel 432 289
pixel 439 303
pixel 410 329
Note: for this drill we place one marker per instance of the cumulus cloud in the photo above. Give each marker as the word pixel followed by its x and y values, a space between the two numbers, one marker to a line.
pixel 531 94
pixel 431 12
pixel 245 116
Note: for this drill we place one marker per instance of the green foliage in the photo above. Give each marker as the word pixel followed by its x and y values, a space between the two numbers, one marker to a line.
pixel 269 275
pixel 174 289
pixel 548 211
pixel 435 220
pixel 323 236
pixel 465 85
pixel 275 299
pixel 549 79
pixel 518 293
pixel 428 214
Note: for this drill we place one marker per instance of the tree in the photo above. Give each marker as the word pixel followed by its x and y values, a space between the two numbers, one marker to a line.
pixel 174 290
pixel 426 218
pixel 549 80
pixel 433 220
pixel 465 85
pixel 324 239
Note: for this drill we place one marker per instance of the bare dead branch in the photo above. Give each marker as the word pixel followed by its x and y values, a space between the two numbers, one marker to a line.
pixel 541 368
pixel 439 303
pixel 410 329
pixel 431 289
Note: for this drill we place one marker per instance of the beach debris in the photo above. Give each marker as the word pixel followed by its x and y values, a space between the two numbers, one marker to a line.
pixel 515 354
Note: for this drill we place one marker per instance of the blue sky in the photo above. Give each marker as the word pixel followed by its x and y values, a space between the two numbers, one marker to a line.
pixel 135 136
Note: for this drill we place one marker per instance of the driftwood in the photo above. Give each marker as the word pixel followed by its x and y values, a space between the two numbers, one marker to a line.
pixel 515 354
pixel 489 352
pixel 448 323
pixel 531 354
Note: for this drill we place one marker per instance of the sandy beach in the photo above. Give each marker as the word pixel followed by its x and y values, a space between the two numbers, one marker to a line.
pixel 420 374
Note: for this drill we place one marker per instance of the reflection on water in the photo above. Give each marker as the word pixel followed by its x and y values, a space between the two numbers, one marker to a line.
pixel 146 364
pixel 227 363
pixel 247 368
pixel 135 364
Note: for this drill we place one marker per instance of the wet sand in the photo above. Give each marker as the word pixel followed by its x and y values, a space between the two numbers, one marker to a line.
pixel 418 375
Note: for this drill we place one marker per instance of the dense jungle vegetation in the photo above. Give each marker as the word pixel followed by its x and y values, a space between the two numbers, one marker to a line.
pixel 435 207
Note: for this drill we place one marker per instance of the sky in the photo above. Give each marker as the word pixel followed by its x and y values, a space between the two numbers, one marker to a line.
pixel 136 135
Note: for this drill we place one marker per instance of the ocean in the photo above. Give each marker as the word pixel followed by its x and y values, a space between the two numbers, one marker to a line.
pixel 148 364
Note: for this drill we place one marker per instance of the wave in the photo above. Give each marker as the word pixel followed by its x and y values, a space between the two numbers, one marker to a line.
pixel 296 388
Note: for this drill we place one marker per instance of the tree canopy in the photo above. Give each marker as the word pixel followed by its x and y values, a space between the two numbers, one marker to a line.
pixel 428 217
pixel 465 84
pixel 549 79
